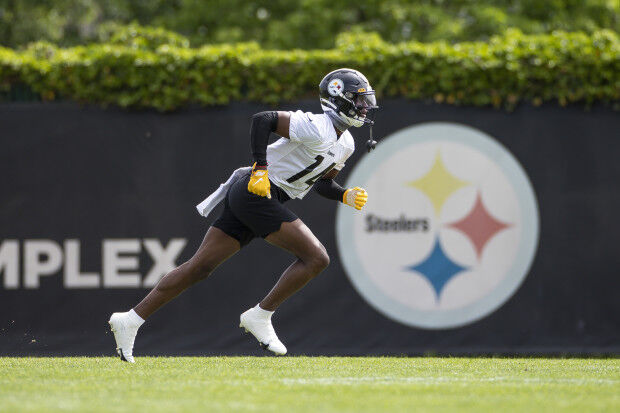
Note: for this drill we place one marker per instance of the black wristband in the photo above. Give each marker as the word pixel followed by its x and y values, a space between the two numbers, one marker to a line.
pixel 263 124
pixel 329 189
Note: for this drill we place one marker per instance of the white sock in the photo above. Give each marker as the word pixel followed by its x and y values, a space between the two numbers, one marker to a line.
pixel 135 318
pixel 266 314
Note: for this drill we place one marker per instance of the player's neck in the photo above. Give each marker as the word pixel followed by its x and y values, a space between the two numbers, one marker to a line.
pixel 339 126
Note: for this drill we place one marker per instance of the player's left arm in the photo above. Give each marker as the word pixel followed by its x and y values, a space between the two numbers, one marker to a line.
pixel 330 189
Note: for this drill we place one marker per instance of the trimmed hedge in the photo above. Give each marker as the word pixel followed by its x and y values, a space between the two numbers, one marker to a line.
pixel 143 37
pixel 562 67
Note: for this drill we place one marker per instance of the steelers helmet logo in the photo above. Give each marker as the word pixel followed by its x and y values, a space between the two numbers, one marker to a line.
pixel 335 87
pixel 449 231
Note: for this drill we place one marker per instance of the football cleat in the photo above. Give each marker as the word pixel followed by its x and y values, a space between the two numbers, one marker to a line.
pixel 124 334
pixel 260 327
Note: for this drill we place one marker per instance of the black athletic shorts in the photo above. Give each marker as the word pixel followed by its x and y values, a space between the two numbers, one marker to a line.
pixel 247 215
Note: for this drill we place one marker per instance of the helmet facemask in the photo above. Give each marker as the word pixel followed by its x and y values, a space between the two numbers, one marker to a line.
pixel 353 108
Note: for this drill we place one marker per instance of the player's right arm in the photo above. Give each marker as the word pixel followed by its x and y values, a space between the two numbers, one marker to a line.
pixel 263 124
pixel 284 124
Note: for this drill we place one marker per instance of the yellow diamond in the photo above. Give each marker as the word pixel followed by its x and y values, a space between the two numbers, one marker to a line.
pixel 438 184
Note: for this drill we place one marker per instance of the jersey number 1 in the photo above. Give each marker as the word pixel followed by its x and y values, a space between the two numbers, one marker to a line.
pixel 310 168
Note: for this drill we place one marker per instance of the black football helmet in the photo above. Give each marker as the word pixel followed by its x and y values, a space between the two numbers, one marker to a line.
pixel 348 93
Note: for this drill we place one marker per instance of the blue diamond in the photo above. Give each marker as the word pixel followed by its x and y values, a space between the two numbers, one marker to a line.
pixel 437 268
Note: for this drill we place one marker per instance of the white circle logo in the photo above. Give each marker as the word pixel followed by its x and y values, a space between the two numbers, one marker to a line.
pixel 335 87
pixel 449 231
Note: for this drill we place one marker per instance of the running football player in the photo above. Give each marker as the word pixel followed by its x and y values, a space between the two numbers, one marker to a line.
pixel 311 150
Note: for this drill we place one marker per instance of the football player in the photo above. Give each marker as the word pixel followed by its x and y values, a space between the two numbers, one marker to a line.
pixel 309 154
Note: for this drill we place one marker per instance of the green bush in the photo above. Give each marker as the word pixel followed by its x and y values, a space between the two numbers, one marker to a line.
pixel 562 67
pixel 307 24
pixel 142 37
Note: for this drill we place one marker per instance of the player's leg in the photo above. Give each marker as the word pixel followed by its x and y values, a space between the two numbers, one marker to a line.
pixel 216 248
pixel 296 238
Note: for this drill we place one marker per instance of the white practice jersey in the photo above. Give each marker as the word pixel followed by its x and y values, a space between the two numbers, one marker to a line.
pixel 313 149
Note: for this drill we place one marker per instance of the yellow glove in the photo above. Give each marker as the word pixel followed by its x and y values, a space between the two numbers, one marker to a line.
pixel 355 197
pixel 259 181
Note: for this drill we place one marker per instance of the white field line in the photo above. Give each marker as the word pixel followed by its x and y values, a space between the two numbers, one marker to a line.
pixel 443 380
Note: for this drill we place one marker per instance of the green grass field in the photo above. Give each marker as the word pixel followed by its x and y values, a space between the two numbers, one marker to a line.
pixel 312 384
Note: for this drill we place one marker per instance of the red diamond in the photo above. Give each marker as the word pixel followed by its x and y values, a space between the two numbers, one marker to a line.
pixel 479 225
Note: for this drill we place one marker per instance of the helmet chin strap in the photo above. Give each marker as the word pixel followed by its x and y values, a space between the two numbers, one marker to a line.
pixel 343 126
pixel 338 123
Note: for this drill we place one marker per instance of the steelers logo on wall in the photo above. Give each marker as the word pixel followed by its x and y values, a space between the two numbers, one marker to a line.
pixel 449 231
